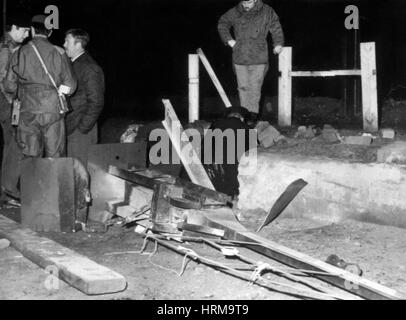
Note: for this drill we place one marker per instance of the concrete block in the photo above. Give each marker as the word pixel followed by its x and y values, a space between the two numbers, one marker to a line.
pixel 4 244
pixel 336 190
pixel 388 133
pixel 305 133
pixel 104 186
pixel 358 140
pixel 393 153
pixel 48 195
pixel 125 211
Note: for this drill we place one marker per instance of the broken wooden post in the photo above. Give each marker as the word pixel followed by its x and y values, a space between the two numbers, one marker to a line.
pixel 369 87
pixel 285 88
pixel 193 88
pixel 214 78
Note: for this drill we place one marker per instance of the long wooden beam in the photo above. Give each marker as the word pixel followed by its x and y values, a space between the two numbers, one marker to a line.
pixel 150 181
pixel 224 219
pixel 77 270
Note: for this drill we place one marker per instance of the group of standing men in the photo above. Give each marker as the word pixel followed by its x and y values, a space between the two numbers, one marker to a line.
pixel 41 75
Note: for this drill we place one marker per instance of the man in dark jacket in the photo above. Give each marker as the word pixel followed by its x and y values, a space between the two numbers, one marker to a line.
pixel 41 129
pixel 88 101
pixel 251 22
pixel 236 138
pixel 17 30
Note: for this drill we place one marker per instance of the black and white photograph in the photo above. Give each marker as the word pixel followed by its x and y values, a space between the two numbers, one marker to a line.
pixel 203 154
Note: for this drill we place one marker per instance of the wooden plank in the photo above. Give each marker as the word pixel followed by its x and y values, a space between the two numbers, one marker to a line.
pixel 330 73
pixel 193 87
pixel 149 182
pixel 184 148
pixel 214 78
pixel 285 88
pixel 224 219
pixel 369 87
pixel 77 270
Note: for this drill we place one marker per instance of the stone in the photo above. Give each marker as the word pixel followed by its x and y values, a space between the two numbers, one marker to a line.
pixel 4 244
pixel 310 133
pixel 305 133
pixel 393 153
pixel 358 140
pixel 388 134
pixel 301 132
pixel 267 134
pixel 330 135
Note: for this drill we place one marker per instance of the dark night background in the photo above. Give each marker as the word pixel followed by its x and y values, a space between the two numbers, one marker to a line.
pixel 143 45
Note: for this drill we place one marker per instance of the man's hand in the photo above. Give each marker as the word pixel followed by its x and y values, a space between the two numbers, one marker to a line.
pixel 278 50
pixel 232 43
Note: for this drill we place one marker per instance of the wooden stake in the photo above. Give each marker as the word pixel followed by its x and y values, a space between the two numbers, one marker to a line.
pixel 193 88
pixel 285 88
pixel 214 78
pixel 369 87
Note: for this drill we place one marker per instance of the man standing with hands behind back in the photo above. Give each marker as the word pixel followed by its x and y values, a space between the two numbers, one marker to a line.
pixel 88 101
pixel 251 22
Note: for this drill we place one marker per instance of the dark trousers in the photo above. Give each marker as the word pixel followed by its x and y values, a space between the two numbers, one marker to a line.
pixel 12 155
pixel 42 135
pixel 79 143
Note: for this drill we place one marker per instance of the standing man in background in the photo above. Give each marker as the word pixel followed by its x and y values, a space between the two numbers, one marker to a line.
pixel 251 22
pixel 88 101
pixel 17 30
pixel 41 129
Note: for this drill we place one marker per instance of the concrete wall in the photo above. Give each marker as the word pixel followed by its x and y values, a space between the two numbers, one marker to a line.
pixel 337 190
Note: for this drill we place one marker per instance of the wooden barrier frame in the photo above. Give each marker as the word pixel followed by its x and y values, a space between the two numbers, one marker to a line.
pixel 368 79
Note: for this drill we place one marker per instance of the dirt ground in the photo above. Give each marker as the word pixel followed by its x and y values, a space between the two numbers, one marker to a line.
pixel 378 250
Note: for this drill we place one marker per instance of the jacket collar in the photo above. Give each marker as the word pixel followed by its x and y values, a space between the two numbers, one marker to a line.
pixel 7 39
pixel 257 7
pixel 79 57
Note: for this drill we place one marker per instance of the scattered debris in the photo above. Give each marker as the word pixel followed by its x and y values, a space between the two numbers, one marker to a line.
pixel 4 244
pixel 340 263
pixel 130 134
pixel 305 132
pixel 268 135
pixel 94 227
